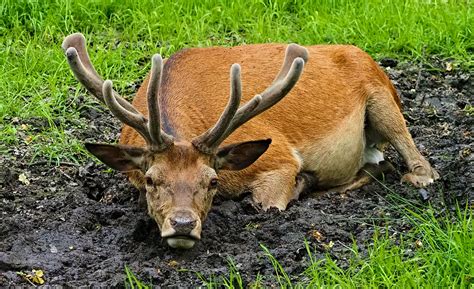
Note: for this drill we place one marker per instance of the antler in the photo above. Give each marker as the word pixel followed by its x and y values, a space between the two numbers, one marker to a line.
pixel 233 117
pixel 74 46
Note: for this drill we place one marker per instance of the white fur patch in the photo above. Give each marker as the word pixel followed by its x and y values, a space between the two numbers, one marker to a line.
pixel 298 158
pixel 372 156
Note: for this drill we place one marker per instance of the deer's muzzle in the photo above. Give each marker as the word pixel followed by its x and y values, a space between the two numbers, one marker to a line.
pixel 182 229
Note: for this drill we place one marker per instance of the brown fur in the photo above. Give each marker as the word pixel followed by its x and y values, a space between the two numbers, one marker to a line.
pixel 322 118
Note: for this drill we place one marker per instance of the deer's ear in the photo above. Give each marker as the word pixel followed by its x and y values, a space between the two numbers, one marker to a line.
pixel 119 157
pixel 240 155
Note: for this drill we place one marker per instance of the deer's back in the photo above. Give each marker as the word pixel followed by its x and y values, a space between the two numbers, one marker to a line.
pixel 335 84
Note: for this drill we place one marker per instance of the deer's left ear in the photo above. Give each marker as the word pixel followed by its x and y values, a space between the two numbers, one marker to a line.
pixel 240 155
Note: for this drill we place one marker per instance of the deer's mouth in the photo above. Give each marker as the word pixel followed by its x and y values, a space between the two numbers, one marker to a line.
pixel 181 241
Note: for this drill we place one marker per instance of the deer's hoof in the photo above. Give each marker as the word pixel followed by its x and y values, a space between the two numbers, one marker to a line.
pixel 421 180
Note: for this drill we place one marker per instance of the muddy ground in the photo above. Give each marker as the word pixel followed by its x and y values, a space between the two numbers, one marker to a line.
pixel 81 224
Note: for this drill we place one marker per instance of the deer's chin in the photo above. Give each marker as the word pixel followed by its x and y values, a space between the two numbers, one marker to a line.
pixel 180 242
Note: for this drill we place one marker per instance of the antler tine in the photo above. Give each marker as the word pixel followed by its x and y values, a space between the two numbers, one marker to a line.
pixel 74 46
pixel 290 72
pixel 160 140
pixel 135 120
pixel 292 52
pixel 78 41
pixel 207 141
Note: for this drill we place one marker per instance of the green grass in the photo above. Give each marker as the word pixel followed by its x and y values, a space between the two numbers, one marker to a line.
pixel 438 252
pixel 133 282
pixel 35 80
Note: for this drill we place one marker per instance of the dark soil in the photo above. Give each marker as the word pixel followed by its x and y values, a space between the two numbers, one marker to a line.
pixel 81 224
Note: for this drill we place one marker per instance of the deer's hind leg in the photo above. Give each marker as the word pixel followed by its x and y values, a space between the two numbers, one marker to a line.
pixel 366 175
pixel 385 122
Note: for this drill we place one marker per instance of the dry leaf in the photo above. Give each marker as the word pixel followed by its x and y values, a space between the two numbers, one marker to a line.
pixel 449 66
pixel 418 244
pixel 23 179
pixel 252 226
pixel 37 277
pixel 317 235
pixel 173 263
pixel 328 246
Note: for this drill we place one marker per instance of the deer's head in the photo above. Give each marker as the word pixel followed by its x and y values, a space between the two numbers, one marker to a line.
pixel 181 177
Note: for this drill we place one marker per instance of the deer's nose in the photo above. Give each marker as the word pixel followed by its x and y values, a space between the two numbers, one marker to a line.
pixel 183 223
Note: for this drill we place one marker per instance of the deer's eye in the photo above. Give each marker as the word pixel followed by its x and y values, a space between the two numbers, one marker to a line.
pixel 149 181
pixel 213 183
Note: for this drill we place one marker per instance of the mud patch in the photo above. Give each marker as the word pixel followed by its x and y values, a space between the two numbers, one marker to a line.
pixel 82 224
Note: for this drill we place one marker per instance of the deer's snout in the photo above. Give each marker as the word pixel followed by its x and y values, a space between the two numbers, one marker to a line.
pixel 183 223
pixel 181 229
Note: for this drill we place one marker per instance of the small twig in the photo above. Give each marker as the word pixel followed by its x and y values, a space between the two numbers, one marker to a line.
pixel 29 281
pixel 23 275
pixel 66 175
pixel 58 164
pixel 417 83
pixel 418 78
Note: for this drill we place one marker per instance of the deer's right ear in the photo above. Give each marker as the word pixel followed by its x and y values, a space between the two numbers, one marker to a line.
pixel 119 157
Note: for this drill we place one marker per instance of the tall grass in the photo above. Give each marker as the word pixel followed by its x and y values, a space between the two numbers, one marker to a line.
pixel 35 80
pixel 379 26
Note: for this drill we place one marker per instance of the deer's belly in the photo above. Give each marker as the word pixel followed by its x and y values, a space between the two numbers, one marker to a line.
pixel 338 157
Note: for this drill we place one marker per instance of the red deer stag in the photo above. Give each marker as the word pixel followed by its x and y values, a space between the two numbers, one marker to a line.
pixel 328 130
